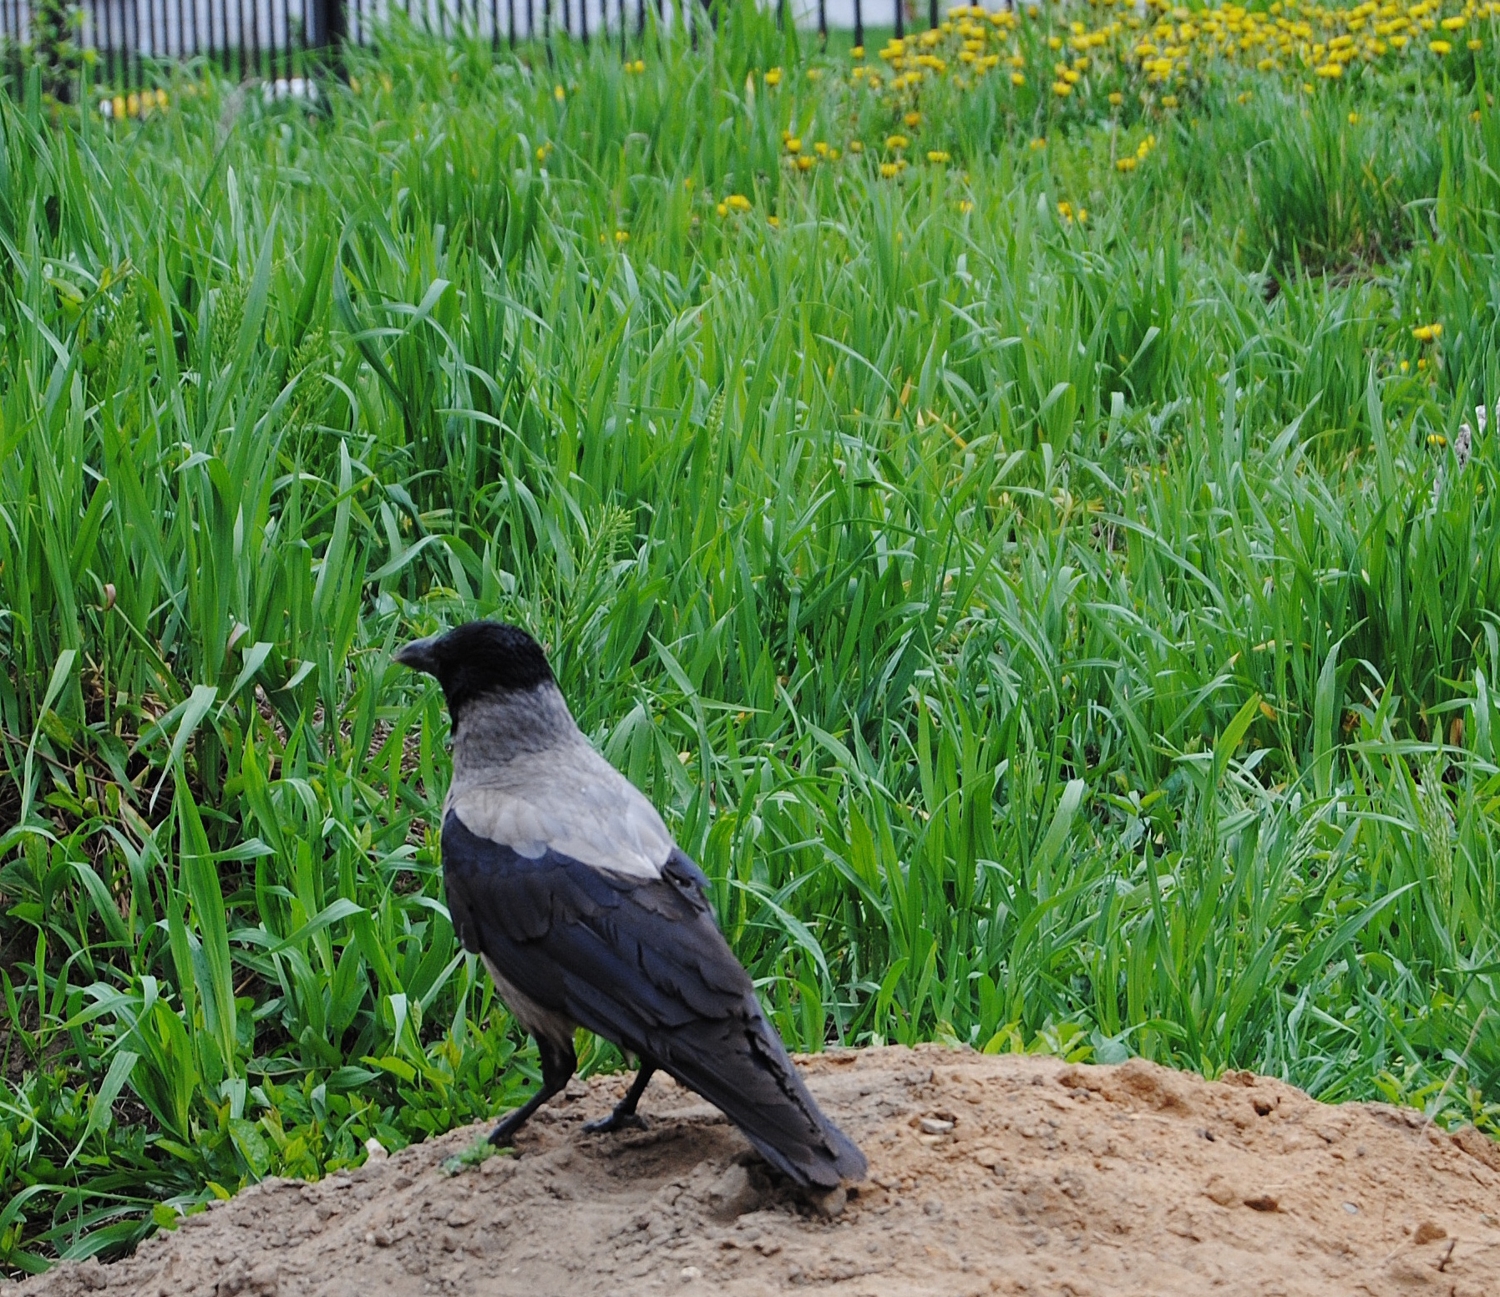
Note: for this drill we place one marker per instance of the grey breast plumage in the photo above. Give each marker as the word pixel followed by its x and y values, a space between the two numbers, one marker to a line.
pixel 564 877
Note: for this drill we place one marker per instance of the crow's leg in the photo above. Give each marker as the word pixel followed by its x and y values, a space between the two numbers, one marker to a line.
pixel 558 1064
pixel 624 1113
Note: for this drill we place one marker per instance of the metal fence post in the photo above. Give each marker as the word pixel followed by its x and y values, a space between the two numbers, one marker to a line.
pixel 331 26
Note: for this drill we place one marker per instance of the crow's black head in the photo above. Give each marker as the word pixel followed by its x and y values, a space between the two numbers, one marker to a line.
pixel 478 658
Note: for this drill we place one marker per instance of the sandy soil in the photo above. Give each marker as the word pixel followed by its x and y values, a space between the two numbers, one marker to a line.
pixel 1008 1175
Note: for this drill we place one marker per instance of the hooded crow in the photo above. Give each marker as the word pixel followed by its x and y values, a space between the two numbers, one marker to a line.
pixel 562 876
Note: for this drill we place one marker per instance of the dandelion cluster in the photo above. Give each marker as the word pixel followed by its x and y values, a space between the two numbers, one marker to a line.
pixel 135 104
pixel 1107 51
pixel 1096 60
pixel 805 156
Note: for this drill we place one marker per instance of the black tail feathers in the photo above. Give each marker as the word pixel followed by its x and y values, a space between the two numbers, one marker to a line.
pixel 741 1067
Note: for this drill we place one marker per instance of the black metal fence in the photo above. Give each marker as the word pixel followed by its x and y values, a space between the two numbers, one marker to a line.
pixel 283 41
pixel 270 39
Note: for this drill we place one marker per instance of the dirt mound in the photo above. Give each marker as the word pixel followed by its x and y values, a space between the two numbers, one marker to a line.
pixel 1009 1175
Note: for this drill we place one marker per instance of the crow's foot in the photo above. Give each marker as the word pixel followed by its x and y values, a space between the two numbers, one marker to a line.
pixel 616 1120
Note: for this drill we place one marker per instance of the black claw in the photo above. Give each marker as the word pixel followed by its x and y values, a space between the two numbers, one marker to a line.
pixel 616 1121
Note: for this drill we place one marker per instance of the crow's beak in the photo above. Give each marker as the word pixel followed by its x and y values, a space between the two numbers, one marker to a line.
pixel 418 655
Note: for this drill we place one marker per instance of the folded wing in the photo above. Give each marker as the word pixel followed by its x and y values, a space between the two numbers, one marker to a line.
pixel 639 960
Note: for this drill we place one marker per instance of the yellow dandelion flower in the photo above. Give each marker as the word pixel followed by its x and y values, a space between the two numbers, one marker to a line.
pixel 738 202
pixel 913 119
pixel 856 146
pixel 1405 365
pixel 773 77
pixel 937 155
pixel 896 141
pixel 888 170
pixel 793 144
pixel 1018 78
pixel 1329 71
pixel 1436 439
pixel 1039 143
pixel 622 236
pixel 1116 98
pixel 1169 101
pixel 1454 23
pixel 1476 44
pixel 1440 48
pixel 858 52
pixel 1353 119
pixel 806 162
pixel 1125 164
pixel 1427 332
pixel 559 93
pixel 965 206
pixel 774 222
pixel 722 209
pixel 1061 89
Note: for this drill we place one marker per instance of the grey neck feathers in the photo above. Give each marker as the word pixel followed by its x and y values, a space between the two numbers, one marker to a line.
pixel 500 728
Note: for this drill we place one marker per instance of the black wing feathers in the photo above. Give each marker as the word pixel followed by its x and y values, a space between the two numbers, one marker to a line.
pixel 642 963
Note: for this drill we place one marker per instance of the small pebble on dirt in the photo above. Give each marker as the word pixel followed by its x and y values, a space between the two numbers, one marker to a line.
pixel 1222 1192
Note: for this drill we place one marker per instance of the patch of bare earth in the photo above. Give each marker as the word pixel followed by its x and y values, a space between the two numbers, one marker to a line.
pixel 1007 1175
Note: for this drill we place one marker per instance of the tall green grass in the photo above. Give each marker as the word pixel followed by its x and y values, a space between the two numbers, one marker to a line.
pixel 1047 635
